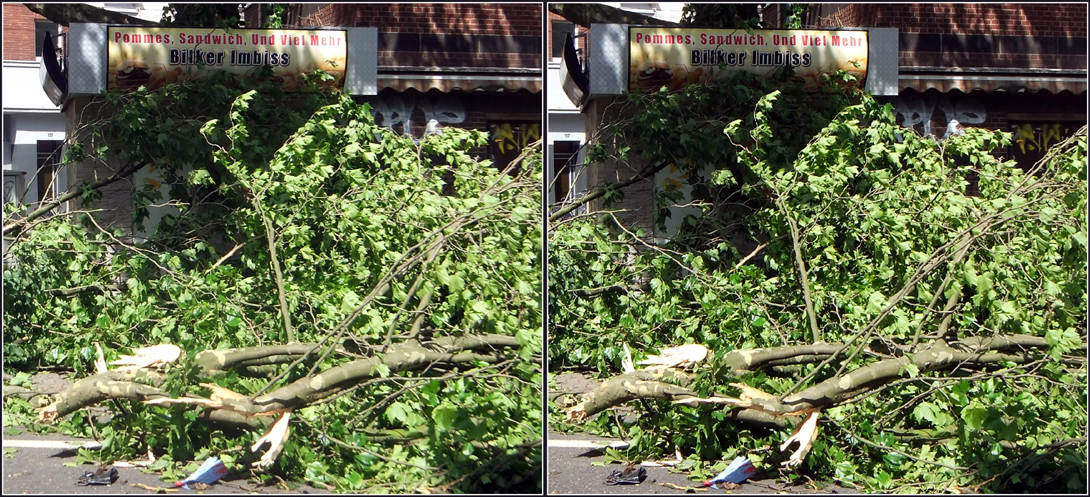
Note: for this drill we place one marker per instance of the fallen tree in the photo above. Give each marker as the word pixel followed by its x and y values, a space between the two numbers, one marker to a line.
pixel 411 355
pixel 913 334
pixel 363 305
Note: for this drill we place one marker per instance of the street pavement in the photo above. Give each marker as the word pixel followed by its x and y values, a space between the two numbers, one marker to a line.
pixel 571 470
pixel 34 464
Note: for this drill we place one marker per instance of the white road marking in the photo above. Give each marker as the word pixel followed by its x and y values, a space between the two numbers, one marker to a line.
pixel 50 444
pixel 586 444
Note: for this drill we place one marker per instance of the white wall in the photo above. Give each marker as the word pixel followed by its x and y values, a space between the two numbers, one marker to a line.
pixel 556 99
pixel 566 123
pixel 22 89
pixel 29 129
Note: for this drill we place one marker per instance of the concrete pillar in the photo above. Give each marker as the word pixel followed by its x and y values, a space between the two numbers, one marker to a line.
pixel 639 200
pixel 115 207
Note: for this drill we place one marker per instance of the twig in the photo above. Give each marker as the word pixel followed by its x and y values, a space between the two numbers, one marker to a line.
pixel 891 449
pixel 365 450
pixel 274 261
pixel 805 280
pixel 750 256
pixel 224 258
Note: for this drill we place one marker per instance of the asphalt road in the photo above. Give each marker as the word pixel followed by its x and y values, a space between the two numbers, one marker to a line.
pixel 571 470
pixel 34 464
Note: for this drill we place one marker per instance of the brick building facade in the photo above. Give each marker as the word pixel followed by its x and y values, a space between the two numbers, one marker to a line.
pixel 19 32
pixel 469 65
pixel 1019 67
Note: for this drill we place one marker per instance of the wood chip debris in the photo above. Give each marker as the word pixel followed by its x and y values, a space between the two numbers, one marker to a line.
pixel 153 489
pixel 679 487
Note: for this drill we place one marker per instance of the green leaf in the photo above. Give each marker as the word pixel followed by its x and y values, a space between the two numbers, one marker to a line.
pixel 926 411
pixel 398 412
pixel 444 416
pixel 876 302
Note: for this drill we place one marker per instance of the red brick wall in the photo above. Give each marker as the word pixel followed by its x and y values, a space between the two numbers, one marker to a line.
pixel 549 33
pixel 465 19
pixel 978 35
pixel 19 32
pixel 1040 19
pixel 468 18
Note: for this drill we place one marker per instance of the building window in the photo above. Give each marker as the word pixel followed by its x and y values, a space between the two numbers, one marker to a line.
pixel 1032 139
pixel 508 138
pixel 560 31
pixel 41 27
pixel 564 153
pixel 49 158
pixel 9 132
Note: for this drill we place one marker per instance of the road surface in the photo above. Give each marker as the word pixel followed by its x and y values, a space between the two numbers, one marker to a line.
pixel 34 464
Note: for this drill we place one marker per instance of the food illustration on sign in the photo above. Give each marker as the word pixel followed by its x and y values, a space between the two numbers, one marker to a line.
pixel 653 74
pixel 132 74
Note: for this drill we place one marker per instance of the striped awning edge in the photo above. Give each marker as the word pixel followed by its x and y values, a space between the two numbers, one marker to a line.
pixel 991 83
pixel 447 84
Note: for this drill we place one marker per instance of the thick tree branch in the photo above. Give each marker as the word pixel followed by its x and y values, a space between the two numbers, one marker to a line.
pixel 403 357
pixel 673 385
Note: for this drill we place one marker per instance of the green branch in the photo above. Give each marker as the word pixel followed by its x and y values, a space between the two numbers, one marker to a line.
pixel 600 190
pixel 72 193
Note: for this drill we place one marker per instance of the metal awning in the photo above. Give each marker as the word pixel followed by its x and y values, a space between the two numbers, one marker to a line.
pixel 1013 83
pixel 446 83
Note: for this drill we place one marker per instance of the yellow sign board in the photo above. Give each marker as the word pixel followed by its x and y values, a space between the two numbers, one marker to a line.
pixel 677 57
pixel 153 57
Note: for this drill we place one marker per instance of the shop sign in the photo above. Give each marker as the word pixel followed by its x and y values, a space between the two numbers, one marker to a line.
pixel 154 57
pixel 677 57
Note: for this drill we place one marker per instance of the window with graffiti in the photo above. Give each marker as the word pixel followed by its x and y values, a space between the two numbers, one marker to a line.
pixel 1032 139
pixel 507 139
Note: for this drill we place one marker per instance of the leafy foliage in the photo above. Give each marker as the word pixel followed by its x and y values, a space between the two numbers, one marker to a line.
pixel 222 16
pixel 887 234
pixel 302 220
pixel 720 15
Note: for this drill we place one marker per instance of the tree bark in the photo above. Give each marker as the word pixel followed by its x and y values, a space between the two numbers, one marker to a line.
pixel 937 355
pixel 406 356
